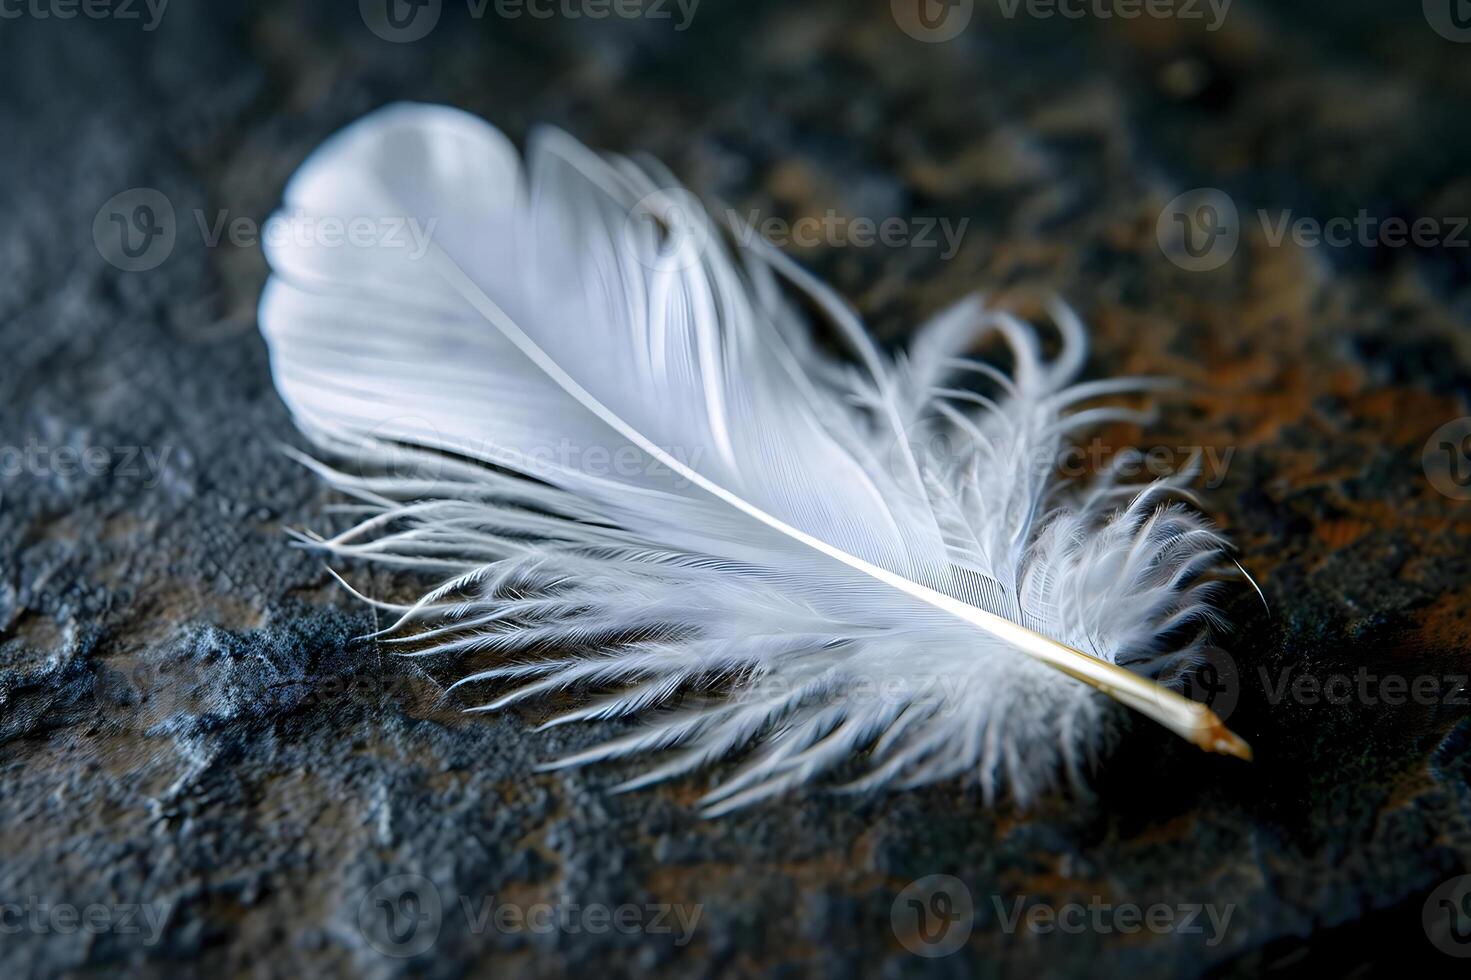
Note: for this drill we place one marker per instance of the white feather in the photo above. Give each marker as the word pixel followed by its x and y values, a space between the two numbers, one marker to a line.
pixel 695 511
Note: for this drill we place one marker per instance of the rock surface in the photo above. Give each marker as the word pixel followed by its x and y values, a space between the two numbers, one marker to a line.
pixel 192 742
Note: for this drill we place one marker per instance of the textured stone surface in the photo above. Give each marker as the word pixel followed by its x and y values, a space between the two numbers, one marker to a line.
pixel 187 723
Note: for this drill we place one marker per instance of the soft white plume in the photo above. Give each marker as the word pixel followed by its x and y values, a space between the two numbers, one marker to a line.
pixel 694 514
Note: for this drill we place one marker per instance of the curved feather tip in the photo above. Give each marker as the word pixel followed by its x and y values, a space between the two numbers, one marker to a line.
pixel 607 429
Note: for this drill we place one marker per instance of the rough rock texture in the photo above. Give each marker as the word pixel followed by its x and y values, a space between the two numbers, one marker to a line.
pixel 187 725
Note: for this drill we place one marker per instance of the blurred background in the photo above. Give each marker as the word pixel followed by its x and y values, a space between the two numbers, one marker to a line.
pixel 200 772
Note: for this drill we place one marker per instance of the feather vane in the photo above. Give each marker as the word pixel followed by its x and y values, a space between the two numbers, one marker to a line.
pixel 611 435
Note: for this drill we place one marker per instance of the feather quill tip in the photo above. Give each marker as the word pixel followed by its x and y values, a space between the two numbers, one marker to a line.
pixel 1213 736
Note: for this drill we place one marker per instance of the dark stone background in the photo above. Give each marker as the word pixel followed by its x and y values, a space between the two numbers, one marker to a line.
pixel 186 721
